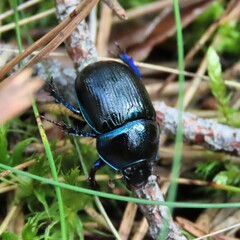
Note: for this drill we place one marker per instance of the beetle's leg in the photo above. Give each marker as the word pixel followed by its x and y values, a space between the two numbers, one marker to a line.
pixel 71 130
pixel 60 99
pixel 128 60
pixel 91 179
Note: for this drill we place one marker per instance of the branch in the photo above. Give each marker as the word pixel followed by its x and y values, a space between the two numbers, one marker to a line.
pixel 79 44
pixel 158 217
pixel 207 132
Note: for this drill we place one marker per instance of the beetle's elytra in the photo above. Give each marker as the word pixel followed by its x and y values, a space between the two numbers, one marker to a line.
pixel 115 104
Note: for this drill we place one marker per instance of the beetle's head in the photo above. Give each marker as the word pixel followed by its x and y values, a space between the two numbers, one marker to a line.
pixel 137 174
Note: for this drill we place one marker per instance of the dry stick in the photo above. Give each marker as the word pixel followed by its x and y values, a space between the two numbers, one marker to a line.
pixel 158 217
pixel 61 31
pixel 79 44
pixel 186 181
pixel 77 15
pixel 206 132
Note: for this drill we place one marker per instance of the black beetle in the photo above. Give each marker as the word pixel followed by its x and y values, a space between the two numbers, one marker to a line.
pixel 115 104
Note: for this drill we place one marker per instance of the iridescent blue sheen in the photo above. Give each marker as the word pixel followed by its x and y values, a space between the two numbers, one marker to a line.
pixel 116 106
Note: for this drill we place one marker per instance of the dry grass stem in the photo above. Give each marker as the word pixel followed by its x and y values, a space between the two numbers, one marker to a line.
pixel 141 230
pixel 19 167
pixel 127 220
pixel 22 22
pixel 209 32
pixel 193 88
pixel 8 188
pixel 52 54
pixel 19 8
pixel 14 209
pixel 218 232
pixel 54 38
pixel 105 24
pixel 98 217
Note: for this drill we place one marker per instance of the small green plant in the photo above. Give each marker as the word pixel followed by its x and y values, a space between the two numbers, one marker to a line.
pixel 229 39
pixel 227 114
pixel 229 176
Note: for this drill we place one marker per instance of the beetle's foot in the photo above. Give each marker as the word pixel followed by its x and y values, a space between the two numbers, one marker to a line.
pixel 54 92
pixel 60 99
pixel 93 183
pixel 62 125
pixel 70 130
pixel 91 179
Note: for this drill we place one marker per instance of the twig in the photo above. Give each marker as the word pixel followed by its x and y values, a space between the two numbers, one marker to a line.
pixel 214 136
pixel 79 45
pixel 158 217
pixel 117 8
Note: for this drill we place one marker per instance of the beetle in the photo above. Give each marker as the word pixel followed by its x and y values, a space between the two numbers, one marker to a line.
pixel 116 106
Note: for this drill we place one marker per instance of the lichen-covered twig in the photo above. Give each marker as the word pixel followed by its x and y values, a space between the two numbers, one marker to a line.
pixel 158 217
pixel 207 132
pixel 79 44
